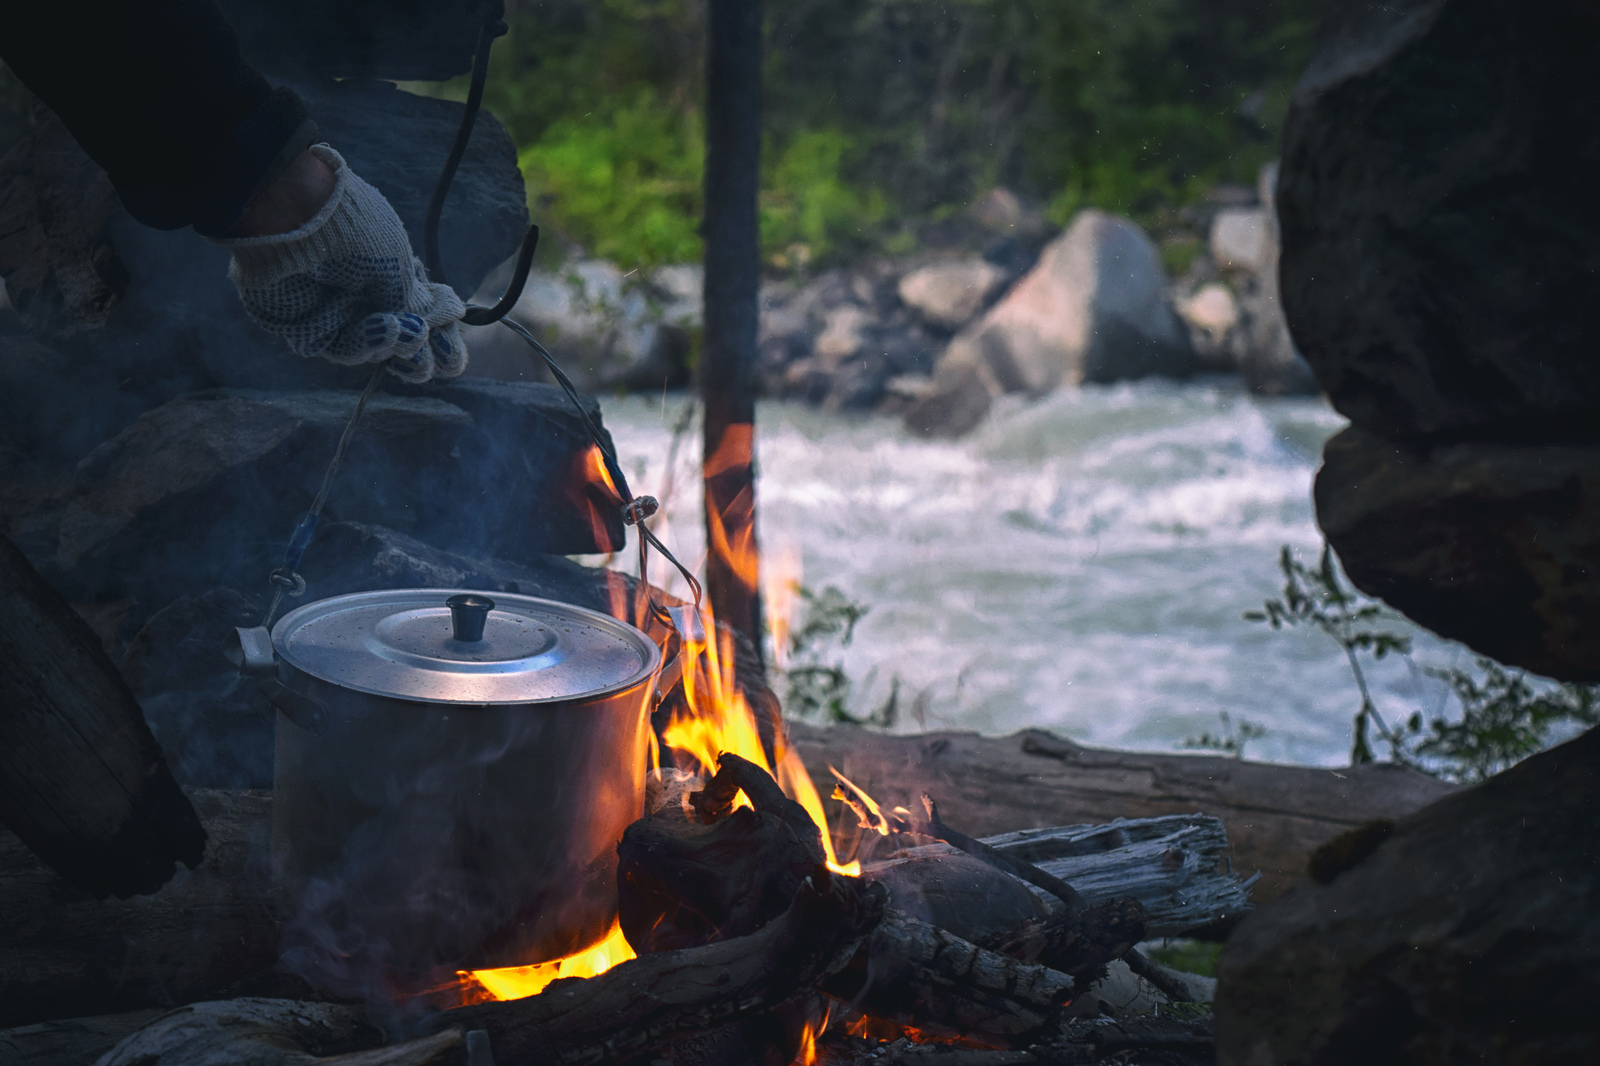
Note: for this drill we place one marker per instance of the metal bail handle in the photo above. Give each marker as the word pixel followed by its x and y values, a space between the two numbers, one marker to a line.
pixel 468 613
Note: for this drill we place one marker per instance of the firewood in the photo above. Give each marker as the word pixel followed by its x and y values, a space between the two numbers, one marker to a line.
pixel 82 780
pixel 1077 943
pixel 682 883
pixel 656 1000
pixel 917 975
pixel 276 1032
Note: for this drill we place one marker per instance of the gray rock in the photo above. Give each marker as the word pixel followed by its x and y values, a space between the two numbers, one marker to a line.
pixel 1271 364
pixel 1094 308
pixel 607 331
pixel 1441 236
pixel 1242 239
pixel 205 489
pixel 948 295
pixel 1492 544
pixel 1466 932
pixel 955 403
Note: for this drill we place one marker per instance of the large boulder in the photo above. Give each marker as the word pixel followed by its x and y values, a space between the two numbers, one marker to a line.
pixel 1441 233
pixel 1495 545
pixel 1467 932
pixel 1094 308
pixel 204 490
pixel 1441 274
pixel 948 295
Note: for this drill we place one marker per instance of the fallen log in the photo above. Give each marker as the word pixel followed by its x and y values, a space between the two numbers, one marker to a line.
pixel 656 1000
pixel 82 780
pixel 71 1041
pixel 1275 816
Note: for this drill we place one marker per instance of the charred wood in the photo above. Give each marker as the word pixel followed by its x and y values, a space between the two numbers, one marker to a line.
pixel 657 1000
pixel 82 781
pixel 275 1032
pixel 682 883
pixel 918 975
pixel 1079 943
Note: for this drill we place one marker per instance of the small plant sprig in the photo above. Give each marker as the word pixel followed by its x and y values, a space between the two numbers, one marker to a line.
pixel 1317 597
pixel 1505 717
pixel 816 683
pixel 1231 740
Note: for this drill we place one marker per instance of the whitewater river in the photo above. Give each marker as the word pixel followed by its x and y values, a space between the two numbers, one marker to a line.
pixel 1079 564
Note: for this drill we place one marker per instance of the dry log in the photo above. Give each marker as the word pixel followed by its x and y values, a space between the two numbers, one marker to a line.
pixel 71 1041
pixel 64 953
pixel 82 780
pixel 915 974
pixel 682 883
pixel 1274 815
pixel 656 1000
pixel 1080 943
pixel 1171 865
pixel 275 1032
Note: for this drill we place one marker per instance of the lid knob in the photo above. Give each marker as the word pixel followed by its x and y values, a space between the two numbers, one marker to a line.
pixel 468 612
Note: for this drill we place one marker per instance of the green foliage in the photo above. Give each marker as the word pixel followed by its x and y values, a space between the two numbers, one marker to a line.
pixel 628 186
pixel 880 113
pixel 1505 716
pixel 1504 719
pixel 1190 956
pixel 1316 596
pixel 816 685
pixel 1231 740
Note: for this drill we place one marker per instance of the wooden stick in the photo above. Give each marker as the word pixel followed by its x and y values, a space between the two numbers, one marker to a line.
pixel 1030 873
pixel 655 1000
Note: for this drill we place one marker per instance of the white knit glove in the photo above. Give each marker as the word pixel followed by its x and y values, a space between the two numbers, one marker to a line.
pixel 346 287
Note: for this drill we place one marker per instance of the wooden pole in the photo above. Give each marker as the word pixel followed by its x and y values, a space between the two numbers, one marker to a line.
pixel 728 355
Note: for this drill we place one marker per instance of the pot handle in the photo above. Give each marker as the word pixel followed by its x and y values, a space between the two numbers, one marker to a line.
pixel 250 649
pixel 304 711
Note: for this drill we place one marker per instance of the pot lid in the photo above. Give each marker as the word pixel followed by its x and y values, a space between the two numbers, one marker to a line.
pixel 457 646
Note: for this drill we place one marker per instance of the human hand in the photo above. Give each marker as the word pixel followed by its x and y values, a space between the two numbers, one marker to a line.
pixel 343 285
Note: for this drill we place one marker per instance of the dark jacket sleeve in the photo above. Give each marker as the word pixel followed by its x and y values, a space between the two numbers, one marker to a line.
pixel 159 94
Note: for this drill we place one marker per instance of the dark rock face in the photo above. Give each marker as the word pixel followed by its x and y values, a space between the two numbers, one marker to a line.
pixel 1495 545
pixel 1441 274
pixel 154 311
pixel 1470 935
pixel 1441 236
pixel 398 40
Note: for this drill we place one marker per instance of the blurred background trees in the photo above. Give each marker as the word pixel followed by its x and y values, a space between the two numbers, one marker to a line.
pixel 885 115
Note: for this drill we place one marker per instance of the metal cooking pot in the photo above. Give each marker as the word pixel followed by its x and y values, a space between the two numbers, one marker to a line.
pixel 454 773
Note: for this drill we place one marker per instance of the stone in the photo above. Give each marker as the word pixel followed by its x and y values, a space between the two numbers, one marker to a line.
pixel 1271 364
pixel 956 403
pixel 1496 545
pixel 1094 308
pixel 206 489
pixel 680 289
pixel 606 332
pixel 1441 235
pixel 56 405
pixel 950 294
pixel 155 311
pixel 1241 239
pixel 1212 314
pixel 1469 934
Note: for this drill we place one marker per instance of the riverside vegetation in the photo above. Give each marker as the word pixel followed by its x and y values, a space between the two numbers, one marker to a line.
pixel 884 116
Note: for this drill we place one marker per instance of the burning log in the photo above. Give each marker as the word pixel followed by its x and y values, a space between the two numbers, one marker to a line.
pixel 82 781
pixel 661 999
pixel 681 883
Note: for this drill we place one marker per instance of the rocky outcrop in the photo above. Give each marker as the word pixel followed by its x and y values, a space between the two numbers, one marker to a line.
pixel 1466 932
pixel 155 311
pixel 1496 545
pixel 1094 308
pixel 1441 240
pixel 1441 273
pixel 948 295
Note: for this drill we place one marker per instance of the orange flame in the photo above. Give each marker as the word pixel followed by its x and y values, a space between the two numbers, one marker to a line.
pixel 518 982
pixel 807 1055
pixel 780 590
pixel 873 817
pixel 594 495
